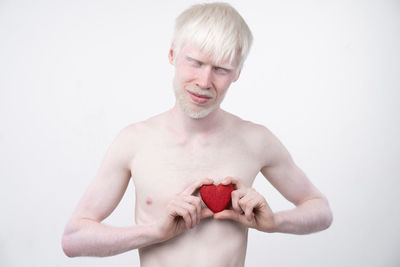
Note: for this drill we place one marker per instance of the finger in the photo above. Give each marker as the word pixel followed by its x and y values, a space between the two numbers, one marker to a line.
pixel 227 215
pixel 196 202
pixel 248 208
pixel 179 211
pixel 227 180
pixel 205 213
pixel 196 185
pixel 247 203
pixel 236 196
pixel 232 180
pixel 190 211
pixel 232 215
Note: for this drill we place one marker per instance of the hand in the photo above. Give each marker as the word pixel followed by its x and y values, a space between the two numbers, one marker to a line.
pixel 184 211
pixel 249 208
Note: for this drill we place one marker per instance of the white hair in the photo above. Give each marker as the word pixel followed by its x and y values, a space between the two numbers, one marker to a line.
pixel 215 28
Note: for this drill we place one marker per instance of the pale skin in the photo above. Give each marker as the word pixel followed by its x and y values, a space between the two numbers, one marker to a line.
pixel 169 157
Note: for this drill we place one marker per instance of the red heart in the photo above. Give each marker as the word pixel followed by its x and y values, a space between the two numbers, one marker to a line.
pixel 216 197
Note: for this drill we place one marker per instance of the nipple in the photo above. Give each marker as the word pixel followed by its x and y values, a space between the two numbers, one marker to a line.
pixel 149 201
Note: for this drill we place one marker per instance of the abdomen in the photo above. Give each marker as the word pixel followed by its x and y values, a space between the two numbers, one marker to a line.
pixel 211 243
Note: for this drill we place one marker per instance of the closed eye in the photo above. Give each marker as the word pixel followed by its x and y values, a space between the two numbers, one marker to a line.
pixel 222 71
pixel 194 62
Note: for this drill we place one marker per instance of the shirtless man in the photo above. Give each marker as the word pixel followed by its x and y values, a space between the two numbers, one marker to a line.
pixel 170 156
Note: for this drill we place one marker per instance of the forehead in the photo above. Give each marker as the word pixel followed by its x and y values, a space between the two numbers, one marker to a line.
pixel 207 57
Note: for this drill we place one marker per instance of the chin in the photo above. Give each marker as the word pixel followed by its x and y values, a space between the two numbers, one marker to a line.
pixel 197 114
pixel 192 110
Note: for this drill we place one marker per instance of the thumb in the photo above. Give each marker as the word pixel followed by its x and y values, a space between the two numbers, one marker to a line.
pixel 227 214
pixel 205 213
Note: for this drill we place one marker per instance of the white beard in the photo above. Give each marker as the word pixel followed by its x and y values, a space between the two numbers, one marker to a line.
pixel 202 112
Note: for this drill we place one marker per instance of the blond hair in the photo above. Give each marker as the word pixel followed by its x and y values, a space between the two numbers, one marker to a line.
pixel 217 29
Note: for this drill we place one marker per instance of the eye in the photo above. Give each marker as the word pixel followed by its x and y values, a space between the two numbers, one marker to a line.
pixel 221 71
pixel 194 62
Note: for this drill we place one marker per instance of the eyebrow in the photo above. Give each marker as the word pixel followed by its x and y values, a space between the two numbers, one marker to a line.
pixel 227 67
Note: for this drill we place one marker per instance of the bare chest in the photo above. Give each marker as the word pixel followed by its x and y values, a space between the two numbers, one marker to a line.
pixel 161 170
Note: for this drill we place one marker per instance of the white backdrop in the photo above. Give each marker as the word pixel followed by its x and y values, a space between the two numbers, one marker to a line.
pixel 322 75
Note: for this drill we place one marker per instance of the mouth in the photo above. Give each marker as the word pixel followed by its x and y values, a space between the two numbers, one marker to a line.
pixel 198 98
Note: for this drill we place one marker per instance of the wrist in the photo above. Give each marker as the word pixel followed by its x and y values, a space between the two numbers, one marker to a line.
pixel 276 222
pixel 159 232
pixel 149 235
pixel 269 223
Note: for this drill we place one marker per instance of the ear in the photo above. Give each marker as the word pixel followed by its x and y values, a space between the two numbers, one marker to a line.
pixel 171 55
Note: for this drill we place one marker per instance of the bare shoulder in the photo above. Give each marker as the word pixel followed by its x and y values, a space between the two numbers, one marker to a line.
pixel 139 130
pixel 261 140
pixel 130 133
pixel 254 133
pixel 128 142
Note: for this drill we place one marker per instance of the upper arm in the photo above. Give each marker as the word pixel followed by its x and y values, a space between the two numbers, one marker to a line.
pixel 282 172
pixel 110 183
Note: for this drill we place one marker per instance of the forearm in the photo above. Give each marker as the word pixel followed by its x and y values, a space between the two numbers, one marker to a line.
pixel 311 216
pixel 86 237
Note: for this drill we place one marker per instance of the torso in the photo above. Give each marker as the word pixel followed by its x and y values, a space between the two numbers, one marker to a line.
pixel 163 166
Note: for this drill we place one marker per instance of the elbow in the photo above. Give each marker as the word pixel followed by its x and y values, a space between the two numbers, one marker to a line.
pixel 69 242
pixel 327 222
pixel 328 217
pixel 66 246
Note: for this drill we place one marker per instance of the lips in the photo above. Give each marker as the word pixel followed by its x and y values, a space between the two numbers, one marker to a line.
pixel 198 98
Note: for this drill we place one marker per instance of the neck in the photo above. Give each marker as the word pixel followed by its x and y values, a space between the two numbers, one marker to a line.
pixel 188 126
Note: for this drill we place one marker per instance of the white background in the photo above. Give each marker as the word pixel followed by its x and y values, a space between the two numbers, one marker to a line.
pixel 322 75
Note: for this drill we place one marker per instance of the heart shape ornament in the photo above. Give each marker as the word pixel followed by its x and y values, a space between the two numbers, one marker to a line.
pixel 215 197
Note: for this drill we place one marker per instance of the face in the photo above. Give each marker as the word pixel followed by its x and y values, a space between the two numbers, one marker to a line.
pixel 200 83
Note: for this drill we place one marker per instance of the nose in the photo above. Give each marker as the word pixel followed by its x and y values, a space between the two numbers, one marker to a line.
pixel 204 78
